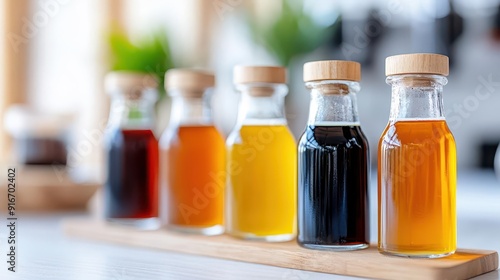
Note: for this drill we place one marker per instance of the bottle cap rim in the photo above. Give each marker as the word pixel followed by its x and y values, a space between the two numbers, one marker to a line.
pixel 417 63
pixel 189 80
pixel 332 70
pixel 243 74
pixel 129 81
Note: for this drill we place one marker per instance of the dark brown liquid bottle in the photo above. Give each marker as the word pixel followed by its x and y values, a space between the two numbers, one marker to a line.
pixel 132 184
pixel 333 162
pixel 131 188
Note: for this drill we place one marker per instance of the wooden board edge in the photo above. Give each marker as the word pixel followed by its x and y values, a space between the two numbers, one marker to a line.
pixel 483 265
pixel 487 262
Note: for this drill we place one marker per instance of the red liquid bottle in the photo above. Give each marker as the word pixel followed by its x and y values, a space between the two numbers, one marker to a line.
pixel 131 189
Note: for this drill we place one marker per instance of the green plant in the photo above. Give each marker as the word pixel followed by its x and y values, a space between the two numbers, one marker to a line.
pixel 293 33
pixel 148 54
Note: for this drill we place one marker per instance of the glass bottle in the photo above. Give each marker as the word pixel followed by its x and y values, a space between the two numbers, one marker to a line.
pixel 417 162
pixel 262 159
pixel 131 188
pixel 333 161
pixel 193 156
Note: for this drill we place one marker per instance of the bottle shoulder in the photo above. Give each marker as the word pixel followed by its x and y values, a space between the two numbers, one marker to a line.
pixel 325 136
pixel 116 138
pixel 191 133
pixel 262 133
pixel 415 132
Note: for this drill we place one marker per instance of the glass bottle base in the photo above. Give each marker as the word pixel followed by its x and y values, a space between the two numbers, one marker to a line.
pixel 337 248
pixel 213 230
pixel 142 223
pixel 267 238
pixel 416 255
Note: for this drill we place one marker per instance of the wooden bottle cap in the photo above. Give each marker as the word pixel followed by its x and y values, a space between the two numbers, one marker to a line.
pixel 191 82
pixel 128 81
pixel 417 63
pixel 259 74
pixel 332 70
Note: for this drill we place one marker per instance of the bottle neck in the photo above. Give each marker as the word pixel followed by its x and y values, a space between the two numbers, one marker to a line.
pixel 262 104
pixel 190 108
pixel 135 113
pixel 333 103
pixel 416 97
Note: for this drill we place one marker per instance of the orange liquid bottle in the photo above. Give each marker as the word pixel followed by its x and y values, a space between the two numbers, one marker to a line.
pixel 193 157
pixel 417 162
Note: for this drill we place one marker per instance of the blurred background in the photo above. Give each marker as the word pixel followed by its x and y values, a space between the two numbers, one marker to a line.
pixel 54 55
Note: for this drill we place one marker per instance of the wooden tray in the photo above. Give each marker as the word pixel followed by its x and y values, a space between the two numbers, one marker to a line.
pixel 365 263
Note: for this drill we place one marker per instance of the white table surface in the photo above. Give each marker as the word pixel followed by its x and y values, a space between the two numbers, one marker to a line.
pixel 45 253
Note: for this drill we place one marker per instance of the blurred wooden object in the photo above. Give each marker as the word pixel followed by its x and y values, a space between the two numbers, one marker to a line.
pixel 96 204
pixel 14 61
pixel 202 33
pixel 116 14
pixel 47 188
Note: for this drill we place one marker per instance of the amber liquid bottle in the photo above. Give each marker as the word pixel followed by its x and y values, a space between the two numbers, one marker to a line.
pixel 333 162
pixel 417 162
pixel 131 188
pixel 192 156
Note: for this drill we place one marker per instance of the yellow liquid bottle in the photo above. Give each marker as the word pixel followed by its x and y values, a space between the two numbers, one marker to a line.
pixel 262 162
pixel 417 162
pixel 263 180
